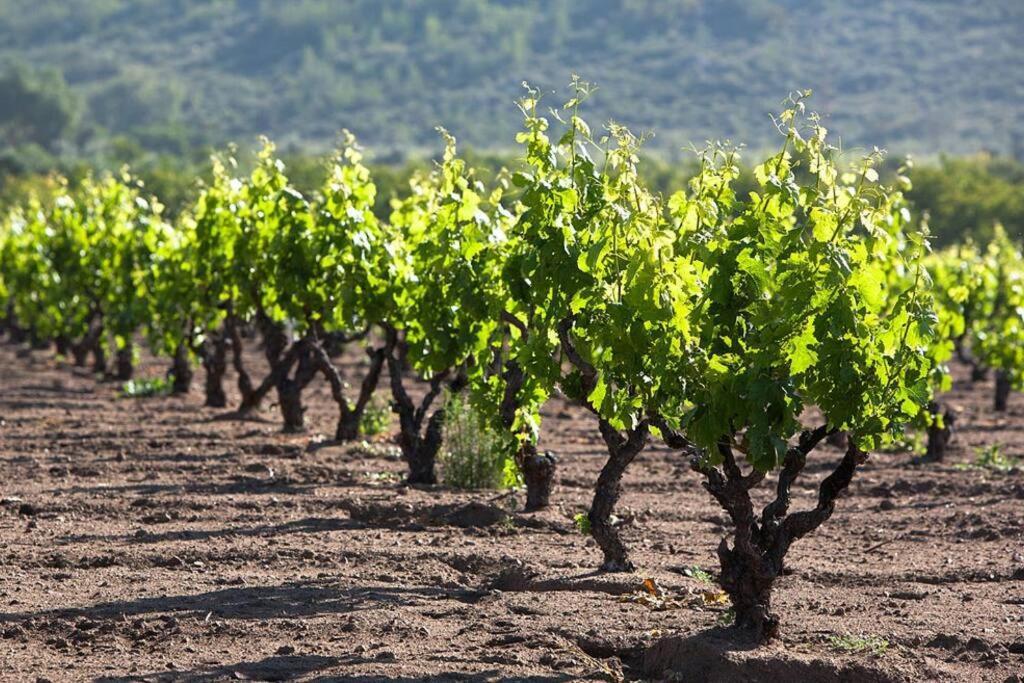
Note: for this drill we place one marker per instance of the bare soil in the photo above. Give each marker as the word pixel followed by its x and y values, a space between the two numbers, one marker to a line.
pixel 154 540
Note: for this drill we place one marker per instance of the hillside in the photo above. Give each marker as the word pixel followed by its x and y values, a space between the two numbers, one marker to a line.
pixel 910 75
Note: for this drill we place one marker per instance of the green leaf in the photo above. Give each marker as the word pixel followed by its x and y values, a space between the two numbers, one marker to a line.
pixel 802 353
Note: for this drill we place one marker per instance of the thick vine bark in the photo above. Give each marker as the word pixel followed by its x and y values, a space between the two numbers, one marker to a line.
pixel 621 452
pixel 350 415
pixel 80 354
pixel 1002 390
pixel 92 343
pixel 275 341
pixel 125 364
pixel 939 436
pixel 978 372
pixel 63 345
pixel 420 431
pixel 245 388
pixel 15 333
pixel 290 388
pixel 282 355
pixel 8 322
pixel 99 353
pixel 279 369
pixel 180 372
pixel 213 355
pixel 538 469
pixel 756 557
pixel 334 343
pixel 539 475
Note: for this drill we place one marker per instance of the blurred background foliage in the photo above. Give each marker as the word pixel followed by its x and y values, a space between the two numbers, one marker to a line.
pixel 159 84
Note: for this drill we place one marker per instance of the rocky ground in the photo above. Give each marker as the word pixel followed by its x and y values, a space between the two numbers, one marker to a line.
pixel 154 540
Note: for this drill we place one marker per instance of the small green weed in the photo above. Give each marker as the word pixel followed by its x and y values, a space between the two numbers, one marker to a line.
pixel 872 644
pixel 145 388
pixel 696 572
pixel 990 458
pixel 582 522
pixel 376 417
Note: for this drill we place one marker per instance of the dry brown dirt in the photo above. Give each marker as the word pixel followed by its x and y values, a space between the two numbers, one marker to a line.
pixel 150 540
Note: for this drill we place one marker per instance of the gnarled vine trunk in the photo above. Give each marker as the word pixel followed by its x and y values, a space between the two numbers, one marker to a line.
pixel 756 557
pixel 282 356
pixel 80 349
pixel 213 354
pixel 18 334
pixel 621 452
pixel 180 373
pixel 1003 387
pixel 99 355
pixel 63 345
pixel 80 355
pixel 245 388
pixel 420 431
pixel 15 333
pixel 539 475
pixel 420 450
pixel 350 415
pixel 538 469
pixel 940 432
pixel 8 322
pixel 290 388
pixel 125 362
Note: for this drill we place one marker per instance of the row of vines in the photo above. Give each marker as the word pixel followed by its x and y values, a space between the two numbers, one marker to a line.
pixel 740 331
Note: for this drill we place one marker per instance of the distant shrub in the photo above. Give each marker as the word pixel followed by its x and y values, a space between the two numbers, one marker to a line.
pixel 376 417
pixel 472 456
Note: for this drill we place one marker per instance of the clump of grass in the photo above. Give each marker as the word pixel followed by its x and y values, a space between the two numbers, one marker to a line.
pixel 991 458
pixel 473 456
pixel 384 477
pixel 696 572
pixel 582 522
pixel 374 449
pixel 856 644
pixel 145 388
pixel 377 416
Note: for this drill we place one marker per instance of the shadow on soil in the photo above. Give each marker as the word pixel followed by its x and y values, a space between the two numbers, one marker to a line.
pixel 310 525
pixel 306 667
pixel 716 656
pixel 289 600
pixel 471 515
pixel 246 485
pixel 270 669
